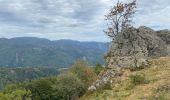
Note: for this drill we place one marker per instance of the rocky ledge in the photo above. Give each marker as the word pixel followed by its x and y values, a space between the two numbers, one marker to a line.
pixel 132 49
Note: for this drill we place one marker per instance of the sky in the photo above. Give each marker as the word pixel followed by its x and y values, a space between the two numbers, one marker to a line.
pixel 81 20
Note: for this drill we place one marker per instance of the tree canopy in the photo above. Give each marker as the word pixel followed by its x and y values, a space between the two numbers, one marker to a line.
pixel 119 18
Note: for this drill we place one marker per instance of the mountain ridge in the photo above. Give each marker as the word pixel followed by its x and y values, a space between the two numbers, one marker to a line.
pixel 34 52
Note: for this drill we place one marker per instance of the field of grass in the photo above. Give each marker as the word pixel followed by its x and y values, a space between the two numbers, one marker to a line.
pixel 152 83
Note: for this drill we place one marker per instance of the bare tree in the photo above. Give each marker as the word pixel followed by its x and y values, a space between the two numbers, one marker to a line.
pixel 119 18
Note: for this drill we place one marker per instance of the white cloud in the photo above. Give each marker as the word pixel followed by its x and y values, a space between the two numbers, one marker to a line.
pixel 72 19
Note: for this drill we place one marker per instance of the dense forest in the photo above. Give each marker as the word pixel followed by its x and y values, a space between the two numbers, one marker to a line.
pixel 17 75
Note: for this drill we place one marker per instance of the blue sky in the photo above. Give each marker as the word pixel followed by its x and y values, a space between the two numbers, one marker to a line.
pixel 73 19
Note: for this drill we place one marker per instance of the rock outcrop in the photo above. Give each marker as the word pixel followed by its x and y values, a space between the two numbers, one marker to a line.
pixel 165 36
pixel 132 48
pixel 104 78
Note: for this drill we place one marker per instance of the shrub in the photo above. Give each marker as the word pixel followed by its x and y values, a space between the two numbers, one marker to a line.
pixel 98 68
pixel 138 79
pixel 40 89
pixel 67 87
pixel 17 94
pixel 83 72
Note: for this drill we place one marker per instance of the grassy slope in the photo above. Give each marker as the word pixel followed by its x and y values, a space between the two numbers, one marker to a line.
pixel 157 86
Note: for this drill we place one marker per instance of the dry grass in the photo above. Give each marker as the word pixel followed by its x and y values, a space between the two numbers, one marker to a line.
pixel 157 87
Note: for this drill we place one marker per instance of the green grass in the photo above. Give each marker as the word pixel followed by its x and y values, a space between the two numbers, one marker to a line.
pixel 152 83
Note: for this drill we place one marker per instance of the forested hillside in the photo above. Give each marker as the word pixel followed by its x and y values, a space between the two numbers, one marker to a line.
pixel 17 75
pixel 33 52
pixel 68 85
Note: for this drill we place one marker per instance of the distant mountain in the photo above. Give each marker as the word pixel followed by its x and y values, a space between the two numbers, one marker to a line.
pixel 38 52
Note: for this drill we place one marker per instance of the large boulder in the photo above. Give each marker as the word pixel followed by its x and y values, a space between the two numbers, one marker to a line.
pixel 133 47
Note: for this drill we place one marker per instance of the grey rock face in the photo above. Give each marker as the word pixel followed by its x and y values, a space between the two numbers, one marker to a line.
pixel 104 78
pixel 155 45
pixel 168 50
pixel 164 35
pixel 133 47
